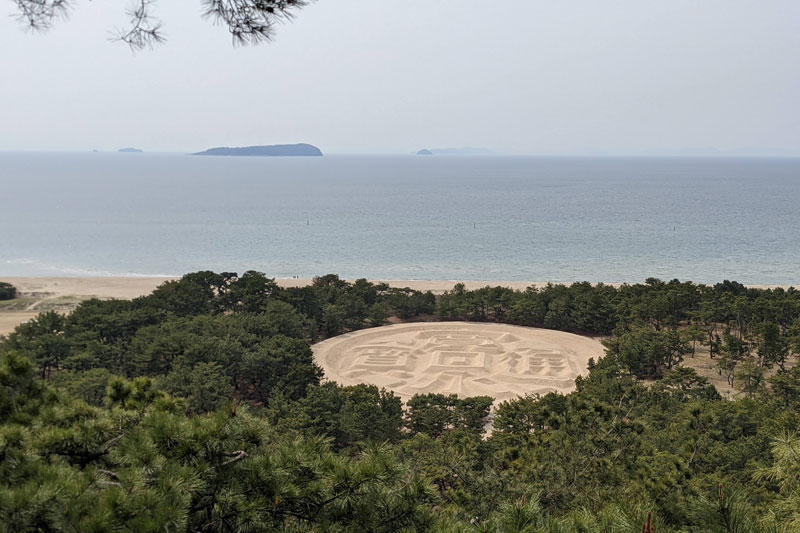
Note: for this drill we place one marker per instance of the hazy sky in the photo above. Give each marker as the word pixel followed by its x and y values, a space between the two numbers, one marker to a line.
pixel 523 76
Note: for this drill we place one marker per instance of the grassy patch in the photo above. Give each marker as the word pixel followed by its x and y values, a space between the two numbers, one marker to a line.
pixel 62 304
pixel 17 304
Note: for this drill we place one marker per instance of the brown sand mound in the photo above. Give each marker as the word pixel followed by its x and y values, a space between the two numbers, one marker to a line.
pixel 463 358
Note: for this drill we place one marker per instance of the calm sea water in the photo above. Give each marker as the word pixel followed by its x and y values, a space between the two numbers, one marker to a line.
pixel 404 217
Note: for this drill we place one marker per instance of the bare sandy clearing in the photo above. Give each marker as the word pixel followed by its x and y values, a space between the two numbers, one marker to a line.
pixel 84 288
pixel 11 319
pixel 463 358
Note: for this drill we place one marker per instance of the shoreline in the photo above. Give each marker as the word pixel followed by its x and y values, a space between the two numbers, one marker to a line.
pixel 39 294
pixel 134 286
pixel 127 287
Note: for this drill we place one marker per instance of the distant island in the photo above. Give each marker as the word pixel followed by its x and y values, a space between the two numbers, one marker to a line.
pixel 130 150
pixel 455 151
pixel 301 149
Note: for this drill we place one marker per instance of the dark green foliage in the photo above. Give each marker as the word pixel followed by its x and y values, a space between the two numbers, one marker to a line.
pixel 408 303
pixel 786 385
pixel 88 385
pixel 333 320
pixel 282 364
pixel 42 340
pixel 684 384
pixel 348 415
pixel 205 386
pixel 772 347
pixel 249 293
pixel 200 408
pixel 20 393
pixel 603 309
pixel 286 320
pixel 7 291
pixel 199 293
pixel 434 414
pixel 143 466
pixel 521 418
pixel 245 326
pixel 646 352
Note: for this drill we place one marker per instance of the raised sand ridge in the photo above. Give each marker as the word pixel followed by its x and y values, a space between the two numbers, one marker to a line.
pixel 463 358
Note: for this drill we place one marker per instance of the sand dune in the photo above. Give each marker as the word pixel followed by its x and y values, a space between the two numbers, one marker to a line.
pixel 463 358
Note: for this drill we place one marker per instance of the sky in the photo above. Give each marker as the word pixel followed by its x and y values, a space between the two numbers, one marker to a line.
pixel 395 76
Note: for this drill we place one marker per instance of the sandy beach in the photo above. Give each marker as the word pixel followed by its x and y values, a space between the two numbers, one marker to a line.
pixel 132 287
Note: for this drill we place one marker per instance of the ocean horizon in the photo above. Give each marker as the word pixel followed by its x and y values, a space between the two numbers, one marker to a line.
pixel 489 218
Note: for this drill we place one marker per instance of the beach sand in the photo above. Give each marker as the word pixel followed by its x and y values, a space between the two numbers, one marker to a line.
pixel 131 287
pixel 11 319
pixel 462 358
pixel 36 295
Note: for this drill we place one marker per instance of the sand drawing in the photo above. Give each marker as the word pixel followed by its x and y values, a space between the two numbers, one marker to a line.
pixel 463 358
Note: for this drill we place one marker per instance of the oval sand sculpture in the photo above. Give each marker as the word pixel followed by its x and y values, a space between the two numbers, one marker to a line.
pixel 463 358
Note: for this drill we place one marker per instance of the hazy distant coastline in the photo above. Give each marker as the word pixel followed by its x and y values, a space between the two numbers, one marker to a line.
pixel 274 150
pixel 456 151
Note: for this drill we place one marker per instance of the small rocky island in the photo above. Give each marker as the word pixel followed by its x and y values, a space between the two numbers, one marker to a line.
pixel 129 150
pixel 455 151
pixel 301 149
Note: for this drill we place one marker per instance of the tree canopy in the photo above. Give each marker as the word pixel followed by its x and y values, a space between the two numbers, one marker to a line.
pixel 199 408
pixel 7 291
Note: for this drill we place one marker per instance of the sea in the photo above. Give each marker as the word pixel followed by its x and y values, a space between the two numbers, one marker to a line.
pixel 493 218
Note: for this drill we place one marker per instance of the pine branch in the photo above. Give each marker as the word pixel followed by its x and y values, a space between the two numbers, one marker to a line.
pixel 39 15
pixel 144 30
pixel 251 21
pixel 109 473
pixel 113 442
pixel 248 21
pixel 237 456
